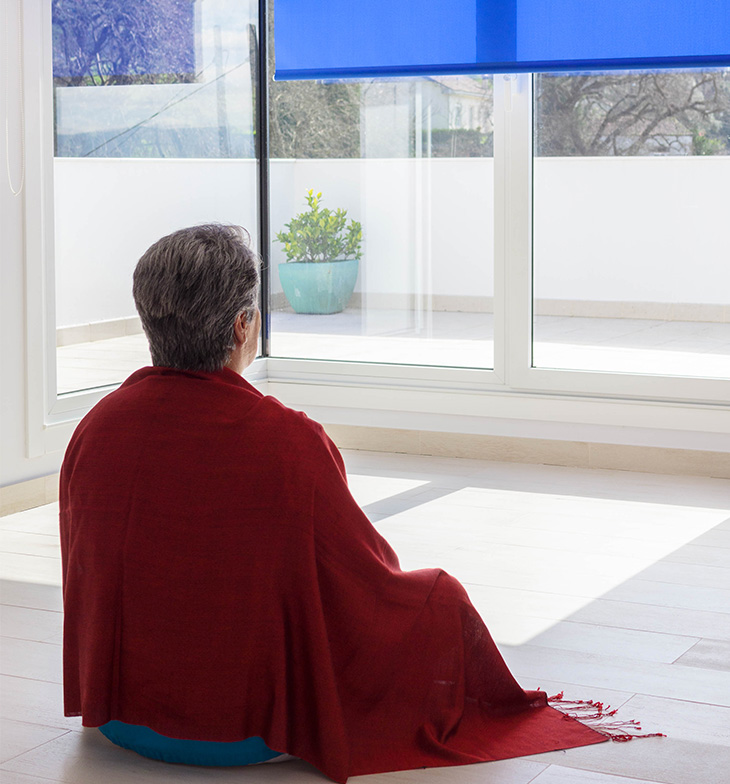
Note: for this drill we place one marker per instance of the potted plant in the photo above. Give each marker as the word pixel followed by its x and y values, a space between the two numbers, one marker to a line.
pixel 322 253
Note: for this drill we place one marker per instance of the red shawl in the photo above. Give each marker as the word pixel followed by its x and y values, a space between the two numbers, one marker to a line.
pixel 221 582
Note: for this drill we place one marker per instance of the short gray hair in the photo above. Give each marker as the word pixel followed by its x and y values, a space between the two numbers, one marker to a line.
pixel 189 288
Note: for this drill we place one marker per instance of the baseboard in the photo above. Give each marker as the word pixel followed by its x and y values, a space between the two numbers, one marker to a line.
pixel 652 311
pixel 98 330
pixel 576 454
pixel 27 495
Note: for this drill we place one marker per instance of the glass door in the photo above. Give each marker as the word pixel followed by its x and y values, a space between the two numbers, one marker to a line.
pixel 629 223
pixel 154 131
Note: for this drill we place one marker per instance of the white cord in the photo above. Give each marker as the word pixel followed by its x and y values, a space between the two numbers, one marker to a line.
pixel 21 101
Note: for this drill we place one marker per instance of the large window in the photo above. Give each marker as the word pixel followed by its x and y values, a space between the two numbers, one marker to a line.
pixel 411 161
pixel 525 236
pixel 630 216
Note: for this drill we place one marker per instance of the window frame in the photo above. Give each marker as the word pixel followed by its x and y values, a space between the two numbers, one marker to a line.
pixel 522 374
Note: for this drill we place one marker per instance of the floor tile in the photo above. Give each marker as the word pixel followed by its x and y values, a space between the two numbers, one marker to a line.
pixel 687 574
pixel 680 720
pixel 12 777
pixel 686 597
pixel 30 568
pixel 665 760
pixel 634 644
pixel 703 556
pixel 33 595
pixel 557 774
pixel 515 771
pixel 35 702
pixel 611 671
pixel 408 500
pixel 708 654
pixel 17 737
pixel 39 520
pixel 30 624
pixel 87 757
pixel 499 598
pixel 717 537
pixel 370 489
pixel 647 617
pixel 41 661
pixel 45 545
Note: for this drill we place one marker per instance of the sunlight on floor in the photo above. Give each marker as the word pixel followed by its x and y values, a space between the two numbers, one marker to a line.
pixel 538 556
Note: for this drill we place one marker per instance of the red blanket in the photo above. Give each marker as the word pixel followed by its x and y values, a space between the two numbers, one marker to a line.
pixel 221 582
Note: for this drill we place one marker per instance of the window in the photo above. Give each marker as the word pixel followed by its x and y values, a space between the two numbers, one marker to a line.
pixel 154 131
pixel 630 176
pixel 492 281
pixel 420 184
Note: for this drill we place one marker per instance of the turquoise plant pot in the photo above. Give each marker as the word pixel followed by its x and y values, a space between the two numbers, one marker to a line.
pixel 318 287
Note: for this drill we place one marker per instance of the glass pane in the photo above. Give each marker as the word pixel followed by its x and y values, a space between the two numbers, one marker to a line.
pixel 630 217
pixel 410 161
pixel 154 123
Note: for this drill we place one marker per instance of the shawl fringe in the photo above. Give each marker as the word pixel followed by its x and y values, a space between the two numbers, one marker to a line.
pixel 594 714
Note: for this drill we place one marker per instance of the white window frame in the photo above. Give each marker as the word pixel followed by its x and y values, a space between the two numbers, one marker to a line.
pixel 390 395
pixel 522 375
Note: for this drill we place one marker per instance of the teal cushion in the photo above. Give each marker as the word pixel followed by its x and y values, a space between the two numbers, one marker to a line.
pixel 151 744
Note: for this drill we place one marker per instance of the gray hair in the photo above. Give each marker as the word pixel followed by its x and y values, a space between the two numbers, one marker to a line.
pixel 189 288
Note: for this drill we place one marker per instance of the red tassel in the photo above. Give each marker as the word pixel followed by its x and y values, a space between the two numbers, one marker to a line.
pixel 592 714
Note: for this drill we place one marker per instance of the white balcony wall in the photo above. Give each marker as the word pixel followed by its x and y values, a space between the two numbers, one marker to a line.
pixel 632 229
pixel 606 229
pixel 109 211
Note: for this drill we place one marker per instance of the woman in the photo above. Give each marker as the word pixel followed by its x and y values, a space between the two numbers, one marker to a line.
pixel 226 599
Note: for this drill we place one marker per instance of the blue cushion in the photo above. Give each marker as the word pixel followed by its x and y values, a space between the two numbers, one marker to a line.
pixel 151 744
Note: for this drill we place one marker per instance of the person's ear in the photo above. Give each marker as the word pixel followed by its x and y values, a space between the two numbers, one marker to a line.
pixel 239 329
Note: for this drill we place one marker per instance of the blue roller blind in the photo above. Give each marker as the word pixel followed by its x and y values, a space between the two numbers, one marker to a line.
pixel 354 38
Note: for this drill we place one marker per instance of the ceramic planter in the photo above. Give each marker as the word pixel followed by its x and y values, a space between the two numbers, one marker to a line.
pixel 318 287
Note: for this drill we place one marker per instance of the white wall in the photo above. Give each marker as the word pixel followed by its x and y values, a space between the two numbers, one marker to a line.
pixel 109 211
pixel 416 215
pixel 14 466
pixel 632 229
pixel 606 229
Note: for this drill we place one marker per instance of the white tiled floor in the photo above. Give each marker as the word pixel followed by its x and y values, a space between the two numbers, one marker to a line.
pixel 447 338
pixel 611 585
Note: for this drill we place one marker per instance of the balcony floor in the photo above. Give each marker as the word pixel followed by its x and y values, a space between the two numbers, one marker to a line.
pixel 450 339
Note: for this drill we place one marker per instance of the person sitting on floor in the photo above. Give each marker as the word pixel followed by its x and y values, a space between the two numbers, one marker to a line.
pixel 226 600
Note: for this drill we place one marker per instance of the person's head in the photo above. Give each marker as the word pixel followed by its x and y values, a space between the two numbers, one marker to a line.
pixel 196 291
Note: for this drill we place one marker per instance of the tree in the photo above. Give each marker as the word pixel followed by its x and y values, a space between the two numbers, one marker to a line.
pixel 105 42
pixel 314 120
pixel 311 119
pixel 631 114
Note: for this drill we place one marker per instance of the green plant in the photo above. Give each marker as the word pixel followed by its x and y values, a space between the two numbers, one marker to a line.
pixel 321 234
pixel 702 144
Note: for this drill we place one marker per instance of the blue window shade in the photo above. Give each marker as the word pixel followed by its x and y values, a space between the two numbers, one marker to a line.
pixel 333 39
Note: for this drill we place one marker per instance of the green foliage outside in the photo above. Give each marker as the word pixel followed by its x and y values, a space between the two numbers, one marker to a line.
pixel 702 144
pixel 321 234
